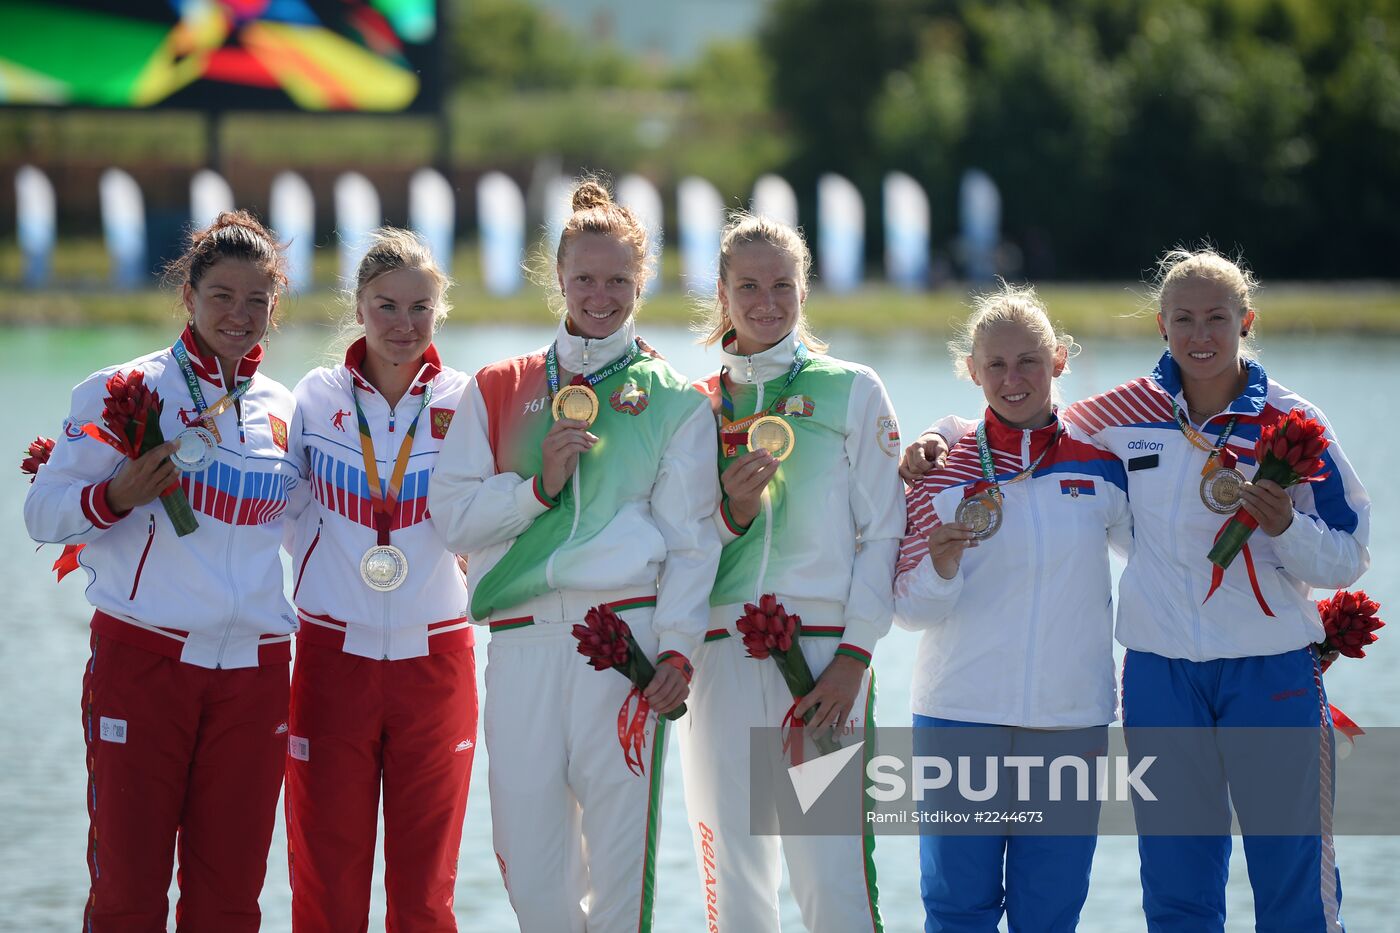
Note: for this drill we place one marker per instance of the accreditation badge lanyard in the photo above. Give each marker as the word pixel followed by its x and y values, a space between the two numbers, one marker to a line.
pixel 385 502
pixel 734 434
pixel 205 413
pixel 551 368
pixel 1201 442
pixel 984 453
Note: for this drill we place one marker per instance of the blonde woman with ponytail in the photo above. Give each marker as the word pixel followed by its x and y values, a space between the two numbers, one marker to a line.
pixel 1004 570
pixel 816 530
pixel 560 512
pixel 384 687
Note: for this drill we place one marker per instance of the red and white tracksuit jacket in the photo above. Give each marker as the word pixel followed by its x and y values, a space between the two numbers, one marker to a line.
pixel 1022 635
pixel 213 598
pixel 428 613
pixel 185 694
pixel 384 689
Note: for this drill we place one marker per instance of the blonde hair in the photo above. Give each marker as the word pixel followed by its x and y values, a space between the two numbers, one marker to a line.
pixel 1011 304
pixel 743 229
pixel 390 249
pixel 1206 262
pixel 594 211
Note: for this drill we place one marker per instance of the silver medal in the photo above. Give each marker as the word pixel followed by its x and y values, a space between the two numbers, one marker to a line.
pixel 195 451
pixel 384 568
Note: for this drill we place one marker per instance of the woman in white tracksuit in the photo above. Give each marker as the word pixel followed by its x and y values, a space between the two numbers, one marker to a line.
pixel 790 529
pixel 560 516
pixel 1004 568
pixel 384 686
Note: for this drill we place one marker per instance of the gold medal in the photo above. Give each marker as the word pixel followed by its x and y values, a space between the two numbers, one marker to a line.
pixel 576 403
pixel 774 435
pixel 982 512
pixel 1221 490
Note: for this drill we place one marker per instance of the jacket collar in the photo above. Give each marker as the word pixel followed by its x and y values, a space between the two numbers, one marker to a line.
pixel 207 367
pixel 1167 375
pixel 1003 437
pixel 585 356
pixel 355 362
pixel 761 367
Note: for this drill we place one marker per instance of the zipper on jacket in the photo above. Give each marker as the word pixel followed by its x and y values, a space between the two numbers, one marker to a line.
pixel 228 550
pixel 1037 574
pixel 767 499
pixel 145 552
pixel 301 571
pixel 384 646
pixel 392 416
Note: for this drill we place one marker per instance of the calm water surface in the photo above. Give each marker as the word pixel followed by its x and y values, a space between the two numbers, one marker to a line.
pixel 43 644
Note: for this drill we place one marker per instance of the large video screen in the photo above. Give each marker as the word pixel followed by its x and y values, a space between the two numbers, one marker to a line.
pixel 325 55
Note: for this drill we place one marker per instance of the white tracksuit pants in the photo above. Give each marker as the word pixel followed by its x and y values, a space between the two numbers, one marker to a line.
pixel 575 831
pixel 833 877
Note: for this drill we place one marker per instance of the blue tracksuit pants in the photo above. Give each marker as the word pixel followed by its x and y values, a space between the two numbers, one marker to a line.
pixel 1038 881
pixel 1297 888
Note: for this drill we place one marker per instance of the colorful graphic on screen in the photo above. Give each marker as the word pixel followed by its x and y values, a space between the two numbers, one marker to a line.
pixel 354 55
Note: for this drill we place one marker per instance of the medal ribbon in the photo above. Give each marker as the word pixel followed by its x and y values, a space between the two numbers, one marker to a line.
pixel 736 433
pixel 551 368
pixel 207 414
pixel 386 502
pixel 984 453
pixel 632 730
pixel 1200 442
pixel 1217 573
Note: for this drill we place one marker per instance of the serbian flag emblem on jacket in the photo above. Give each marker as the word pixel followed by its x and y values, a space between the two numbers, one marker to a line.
pixel 1076 487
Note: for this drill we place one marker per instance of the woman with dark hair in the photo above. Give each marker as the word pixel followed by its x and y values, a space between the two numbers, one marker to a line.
pixel 185 695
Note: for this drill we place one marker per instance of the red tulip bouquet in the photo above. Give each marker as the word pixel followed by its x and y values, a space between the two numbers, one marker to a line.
pixel 605 639
pixel 36 455
pixel 1289 452
pixel 1350 622
pixel 131 413
pixel 770 631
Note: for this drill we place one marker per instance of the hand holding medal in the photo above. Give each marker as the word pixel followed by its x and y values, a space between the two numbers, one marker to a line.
pixel 946 544
pixel 744 482
pixel 561 448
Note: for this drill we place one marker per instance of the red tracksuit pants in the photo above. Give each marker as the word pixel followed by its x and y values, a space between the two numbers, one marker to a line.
pixel 178 750
pixel 356 723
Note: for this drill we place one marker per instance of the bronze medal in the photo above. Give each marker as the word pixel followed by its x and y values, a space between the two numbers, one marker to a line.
pixel 1221 490
pixel 982 513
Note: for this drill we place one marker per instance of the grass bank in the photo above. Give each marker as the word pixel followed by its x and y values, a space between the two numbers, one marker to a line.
pixel 1095 310
pixel 1089 310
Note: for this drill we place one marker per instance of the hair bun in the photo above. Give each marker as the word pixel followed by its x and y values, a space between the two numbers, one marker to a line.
pixel 589 194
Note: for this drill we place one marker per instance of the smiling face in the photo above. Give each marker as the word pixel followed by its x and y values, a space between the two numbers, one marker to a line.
pixel 398 310
pixel 230 308
pixel 599 277
pixel 1203 323
pixel 762 295
pixel 1015 369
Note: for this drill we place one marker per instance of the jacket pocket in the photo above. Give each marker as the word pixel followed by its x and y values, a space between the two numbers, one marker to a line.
pixel 301 571
pixel 145 552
